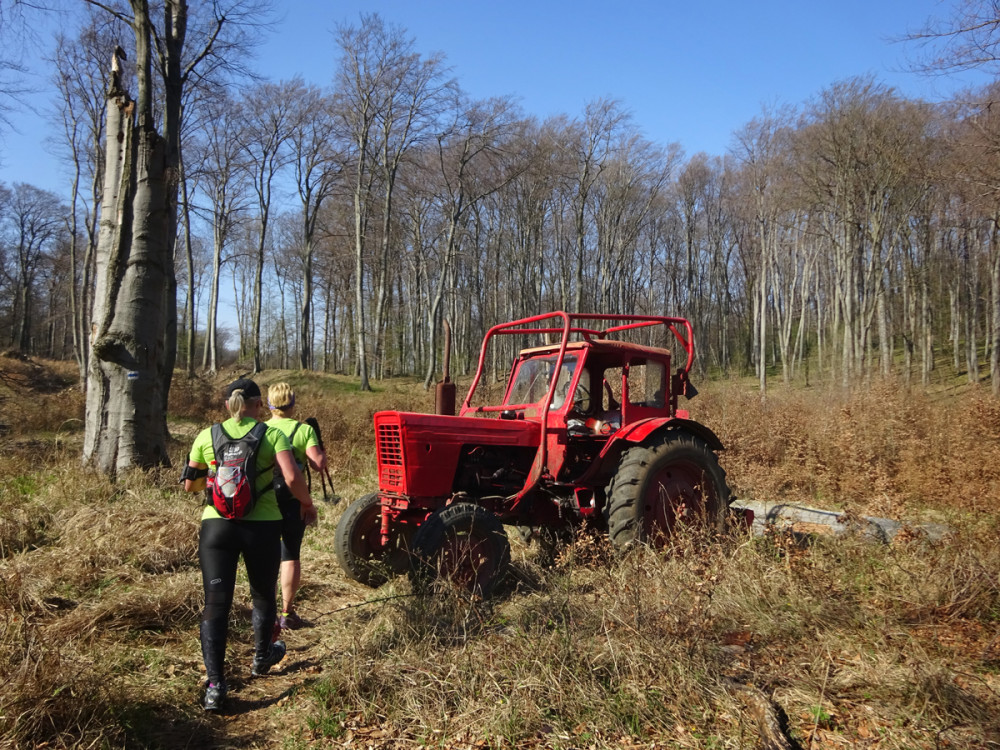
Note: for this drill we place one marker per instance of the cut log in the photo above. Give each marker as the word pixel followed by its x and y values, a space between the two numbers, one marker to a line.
pixel 814 521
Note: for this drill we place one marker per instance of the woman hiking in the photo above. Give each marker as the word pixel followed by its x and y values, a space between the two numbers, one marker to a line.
pixel 305 447
pixel 242 518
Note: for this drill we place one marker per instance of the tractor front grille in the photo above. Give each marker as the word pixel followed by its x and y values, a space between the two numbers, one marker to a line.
pixel 389 444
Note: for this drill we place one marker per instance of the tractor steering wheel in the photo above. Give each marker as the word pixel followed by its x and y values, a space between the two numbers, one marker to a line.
pixel 581 397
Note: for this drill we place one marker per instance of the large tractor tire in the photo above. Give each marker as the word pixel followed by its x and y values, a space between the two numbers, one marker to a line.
pixel 661 485
pixel 358 543
pixel 464 545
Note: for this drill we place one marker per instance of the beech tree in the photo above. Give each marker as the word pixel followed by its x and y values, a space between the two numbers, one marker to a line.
pixel 267 124
pixel 12 27
pixel 966 37
pixel 317 169
pixel 473 163
pixel 388 98
pixel 969 38
pixel 31 227
pixel 225 181
pixel 758 149
pixel 81 85
pixel 589 145
pixel 133 328
pixel 125 419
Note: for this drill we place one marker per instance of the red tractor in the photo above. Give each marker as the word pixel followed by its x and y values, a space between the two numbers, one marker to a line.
pixel 587 432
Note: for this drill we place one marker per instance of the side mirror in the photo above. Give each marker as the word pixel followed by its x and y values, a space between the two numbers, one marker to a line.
pixel 682 385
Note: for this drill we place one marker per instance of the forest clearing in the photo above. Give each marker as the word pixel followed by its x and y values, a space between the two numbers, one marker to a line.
pixel 845 251
pixel 853 643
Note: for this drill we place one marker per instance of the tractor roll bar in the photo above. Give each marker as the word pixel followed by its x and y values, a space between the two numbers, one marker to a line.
pixel 679 327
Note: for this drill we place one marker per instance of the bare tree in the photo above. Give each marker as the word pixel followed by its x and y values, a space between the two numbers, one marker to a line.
pixel 267 123
pixel 416 93
pixel 12 34
pixel 134 323
pixel 758 148
pixel 81 88
pixel 473 164
pixel 317 170
pixel 32 224
pixel 589 144
pixel 126 422
pixel 360 82
pixel 968 38
pixel 225 177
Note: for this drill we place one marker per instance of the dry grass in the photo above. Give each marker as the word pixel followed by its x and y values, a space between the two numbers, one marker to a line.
pixel 655 651
pixel 883 451
pixel 861 644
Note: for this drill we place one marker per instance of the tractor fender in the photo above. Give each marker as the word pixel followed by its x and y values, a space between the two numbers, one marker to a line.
pixel 639 432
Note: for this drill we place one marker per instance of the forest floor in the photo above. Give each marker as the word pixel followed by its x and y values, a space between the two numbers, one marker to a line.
pixel 842 641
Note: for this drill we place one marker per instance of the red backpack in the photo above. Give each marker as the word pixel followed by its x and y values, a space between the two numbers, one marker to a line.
pixel 232 477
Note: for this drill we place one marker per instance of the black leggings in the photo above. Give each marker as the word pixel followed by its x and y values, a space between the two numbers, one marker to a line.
pixel 293 528
pixel 219 548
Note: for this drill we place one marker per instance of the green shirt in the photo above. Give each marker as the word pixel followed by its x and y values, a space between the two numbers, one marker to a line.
pixel 305 437
pixel 266 508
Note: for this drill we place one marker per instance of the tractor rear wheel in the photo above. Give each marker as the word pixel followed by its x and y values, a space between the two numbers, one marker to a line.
pixel 463 544
pixel 659 486
pixel 358 543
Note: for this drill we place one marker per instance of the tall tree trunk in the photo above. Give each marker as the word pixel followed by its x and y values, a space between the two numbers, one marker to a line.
pixel 956 326
pixel 926 333
pixel 210 359
pixel 258 291
pixel 761 320
pixel 23 337
pixel 305 330
pixel 126 421
pixel 189 317
pixel 359 290
pixel 994 341
pixel 76 298
pixel 885 341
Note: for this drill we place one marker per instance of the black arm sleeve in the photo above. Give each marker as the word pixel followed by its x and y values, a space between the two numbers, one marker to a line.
pixel 192 473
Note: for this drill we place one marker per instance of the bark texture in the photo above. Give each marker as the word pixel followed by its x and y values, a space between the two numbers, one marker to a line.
pixel 125 417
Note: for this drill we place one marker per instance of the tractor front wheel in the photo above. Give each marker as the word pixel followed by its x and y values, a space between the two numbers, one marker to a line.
pixel 358 543
pixel 463 544
pixel 659 486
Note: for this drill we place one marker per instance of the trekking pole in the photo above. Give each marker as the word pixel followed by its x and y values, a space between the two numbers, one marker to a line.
pixel 324 475
pixel 333 498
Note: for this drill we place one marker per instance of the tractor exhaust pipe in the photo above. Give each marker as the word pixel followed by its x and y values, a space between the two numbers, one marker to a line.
pixel 444 393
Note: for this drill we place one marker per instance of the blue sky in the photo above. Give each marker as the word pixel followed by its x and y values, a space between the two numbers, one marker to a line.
pixel 689 72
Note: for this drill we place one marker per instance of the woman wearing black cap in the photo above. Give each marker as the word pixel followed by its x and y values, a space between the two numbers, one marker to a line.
pixel 257 536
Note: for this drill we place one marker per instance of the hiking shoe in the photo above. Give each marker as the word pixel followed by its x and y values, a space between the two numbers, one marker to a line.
pixel 215 696
pixel 274 654
pixel 291 621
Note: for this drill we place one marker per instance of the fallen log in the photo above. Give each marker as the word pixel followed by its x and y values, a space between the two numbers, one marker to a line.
pixel 815 521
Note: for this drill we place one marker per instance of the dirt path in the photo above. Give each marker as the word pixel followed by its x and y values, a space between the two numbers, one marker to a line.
pixel 273 711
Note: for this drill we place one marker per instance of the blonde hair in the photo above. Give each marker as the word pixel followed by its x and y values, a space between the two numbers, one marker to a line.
pixel 280 398
pixel 235 404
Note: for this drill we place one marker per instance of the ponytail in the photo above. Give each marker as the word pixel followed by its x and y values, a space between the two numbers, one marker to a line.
pixel 235 404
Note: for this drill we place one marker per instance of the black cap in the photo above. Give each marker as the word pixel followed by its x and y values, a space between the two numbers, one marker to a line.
pixel 250 389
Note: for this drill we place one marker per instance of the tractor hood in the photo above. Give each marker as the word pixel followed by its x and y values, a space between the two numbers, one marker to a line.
pixel 418 453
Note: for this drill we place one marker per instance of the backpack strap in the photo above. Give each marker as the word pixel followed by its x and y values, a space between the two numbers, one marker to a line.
pixel 257 434
pixel 291 439
pixel 219 436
